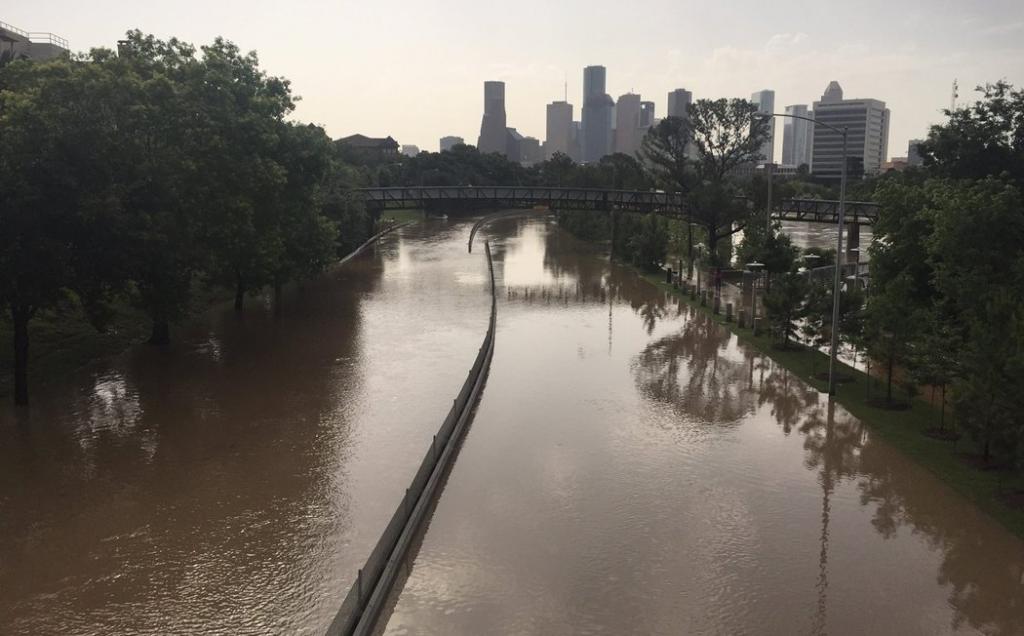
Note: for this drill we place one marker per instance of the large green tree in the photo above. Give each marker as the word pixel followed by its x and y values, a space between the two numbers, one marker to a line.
pixel 700 156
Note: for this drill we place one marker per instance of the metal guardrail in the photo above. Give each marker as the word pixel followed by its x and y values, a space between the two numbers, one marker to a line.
pixel 48 38
pixel 362 606
pixel 13 29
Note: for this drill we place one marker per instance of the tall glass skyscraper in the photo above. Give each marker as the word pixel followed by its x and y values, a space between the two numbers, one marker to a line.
pixel 493 137
pixel 765 101
pixel 597 115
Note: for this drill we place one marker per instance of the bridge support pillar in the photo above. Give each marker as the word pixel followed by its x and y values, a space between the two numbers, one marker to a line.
pixel 852 242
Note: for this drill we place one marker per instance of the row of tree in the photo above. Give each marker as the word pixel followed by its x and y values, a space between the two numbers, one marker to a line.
pixel 138 175
pixel 946 303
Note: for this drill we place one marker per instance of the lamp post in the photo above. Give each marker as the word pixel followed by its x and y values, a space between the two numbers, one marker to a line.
pixel 834 348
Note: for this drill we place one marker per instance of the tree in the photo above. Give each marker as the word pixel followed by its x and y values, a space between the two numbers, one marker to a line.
pixel 699 155
pixel 891 325
pixel 784 305
pixel 57 192
pixel 648 241
pixel 981 140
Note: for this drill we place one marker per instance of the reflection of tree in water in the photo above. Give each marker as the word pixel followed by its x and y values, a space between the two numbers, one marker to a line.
pixel 585 276
pixel 688 371
pixel 789 397
pixel 982 565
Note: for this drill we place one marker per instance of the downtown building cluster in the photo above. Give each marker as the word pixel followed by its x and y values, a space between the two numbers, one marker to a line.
pixel 608 126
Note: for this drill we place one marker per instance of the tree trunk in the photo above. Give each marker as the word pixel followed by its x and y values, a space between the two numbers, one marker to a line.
pixel 888 382
pixel 161 332
pixel 942 418
pixel 20 317
pixel 239 292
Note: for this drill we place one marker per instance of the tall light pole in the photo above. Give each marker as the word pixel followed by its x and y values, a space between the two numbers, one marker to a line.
pixel 834 349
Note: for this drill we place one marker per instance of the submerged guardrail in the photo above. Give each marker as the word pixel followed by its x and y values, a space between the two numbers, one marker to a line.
pixel 366 598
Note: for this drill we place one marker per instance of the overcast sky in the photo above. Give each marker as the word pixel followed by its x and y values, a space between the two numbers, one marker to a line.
pixel 414 69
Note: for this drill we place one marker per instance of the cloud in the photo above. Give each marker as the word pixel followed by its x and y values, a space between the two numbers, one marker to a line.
pixel 1002 29
pixel 781 41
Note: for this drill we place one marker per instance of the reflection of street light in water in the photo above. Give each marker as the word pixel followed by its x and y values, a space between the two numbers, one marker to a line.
pixel 754 268
pixel 826 509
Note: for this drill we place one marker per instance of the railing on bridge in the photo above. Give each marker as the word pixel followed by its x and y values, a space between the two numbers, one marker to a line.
pixel 668 203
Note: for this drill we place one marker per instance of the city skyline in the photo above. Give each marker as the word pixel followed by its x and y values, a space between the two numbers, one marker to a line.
pixel 440 52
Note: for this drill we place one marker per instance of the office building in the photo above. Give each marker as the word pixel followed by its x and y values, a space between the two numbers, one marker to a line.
pixel 765 102
pixel 627 124
pixel 493 136
pixel 798 137
pixel 529 151
pixel 646 114
pixel 867 124
pixel 914 158
pixel 679 101
pixel 410 150
pixel 597 115
pixel 447 143
pixel 558 137
pixel 513 144
pixel 16 44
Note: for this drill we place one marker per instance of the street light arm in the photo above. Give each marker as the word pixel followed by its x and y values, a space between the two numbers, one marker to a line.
pixel 841 131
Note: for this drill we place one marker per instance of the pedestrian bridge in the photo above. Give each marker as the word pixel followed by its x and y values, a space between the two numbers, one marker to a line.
pixel 667 203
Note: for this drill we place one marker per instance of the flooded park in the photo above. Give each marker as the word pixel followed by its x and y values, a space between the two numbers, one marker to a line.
pixel 631 468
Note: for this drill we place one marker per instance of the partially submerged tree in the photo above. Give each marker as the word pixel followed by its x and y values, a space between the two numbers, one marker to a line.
pixel 700 155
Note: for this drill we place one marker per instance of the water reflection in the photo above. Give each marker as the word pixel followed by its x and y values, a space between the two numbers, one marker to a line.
pixel 234 483
pixel 681 483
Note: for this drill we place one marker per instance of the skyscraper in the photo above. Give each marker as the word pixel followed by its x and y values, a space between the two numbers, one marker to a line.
pixel 448 142
pixel 765 101
pixel 646 114
pixel 867 125
pixel 627 124
pixel 493 137
pixel 597 115
pixel 558 137
pixel 679 101
pixel 797 137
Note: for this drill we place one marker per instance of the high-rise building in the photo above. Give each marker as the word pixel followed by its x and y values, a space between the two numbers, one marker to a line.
pixel 410 150
pixel 765 101
pixel 679 101
pixel 493 137
pixel 867 124
pixel 646 114
pixel 447 143
pixel 914 153
pixel 576 142
pixel 529 151
pixel 798 137
pixel 627 124
pixel 597 115
pixel 558 136
pixel 513 144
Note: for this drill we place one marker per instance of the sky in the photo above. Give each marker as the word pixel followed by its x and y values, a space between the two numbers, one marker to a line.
pixel 414 69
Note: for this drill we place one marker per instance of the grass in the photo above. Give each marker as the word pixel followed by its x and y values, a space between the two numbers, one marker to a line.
pixel 905 430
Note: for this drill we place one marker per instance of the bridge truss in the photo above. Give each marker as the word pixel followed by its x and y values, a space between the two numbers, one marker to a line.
pixel 556 198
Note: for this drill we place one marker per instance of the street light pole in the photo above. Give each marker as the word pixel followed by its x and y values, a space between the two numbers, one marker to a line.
pixel 834 349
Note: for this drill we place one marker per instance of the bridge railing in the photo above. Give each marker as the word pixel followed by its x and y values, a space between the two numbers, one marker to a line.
pixel 367 596
pixel 672 203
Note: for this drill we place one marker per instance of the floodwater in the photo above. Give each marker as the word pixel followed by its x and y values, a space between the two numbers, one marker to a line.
pixel 631 469
pixel 235 484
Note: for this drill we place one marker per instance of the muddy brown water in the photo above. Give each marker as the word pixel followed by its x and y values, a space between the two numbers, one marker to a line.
pixel 631 469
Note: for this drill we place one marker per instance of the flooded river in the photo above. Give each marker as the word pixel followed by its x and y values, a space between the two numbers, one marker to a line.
pixel 631 469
